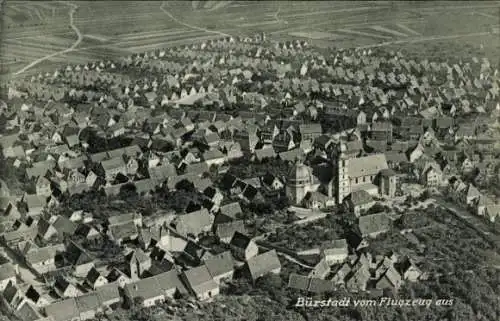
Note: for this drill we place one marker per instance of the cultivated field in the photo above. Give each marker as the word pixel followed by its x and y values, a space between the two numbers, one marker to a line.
pixel 39 35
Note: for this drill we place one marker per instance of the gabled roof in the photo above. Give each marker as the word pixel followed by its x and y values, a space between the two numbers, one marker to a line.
pixel 240 240
pixel 220 264
pixel 63 310
pixel 227 230
pixel 200 280
pixel 231 209
pixel 262 264
pixel 367 165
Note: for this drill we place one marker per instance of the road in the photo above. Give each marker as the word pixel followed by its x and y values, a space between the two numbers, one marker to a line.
pixel 162 8
pixel 79 39
pixel 24 272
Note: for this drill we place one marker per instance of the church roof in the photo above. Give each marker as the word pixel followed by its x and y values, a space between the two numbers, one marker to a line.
pixel 367 165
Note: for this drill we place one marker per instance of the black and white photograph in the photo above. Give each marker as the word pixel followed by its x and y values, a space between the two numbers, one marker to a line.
pixel 249 160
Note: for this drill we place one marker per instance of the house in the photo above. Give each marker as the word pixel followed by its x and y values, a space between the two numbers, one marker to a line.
pixel 113 167
pixel 8 274
pixel 408 270
pixel 80 260
pixel 135 218
pixel 213 157
pixel 432 175
pixel 225 231
pixel 94 279
pixel 65 289
pixel 43 259
pixel 35 204
pixel 391 279
pixel 228 212
pixel 220 266
pixel 194 223
pixel 65 310
pixel 88 305
pixel 108 294
pixel 120 233
pixel 373 225
pixel 381 131
pixel 150 291
pixel 358 277
pixel 387 182
pixel 27 312
pixel 472 195
pixel 359 202
pixel 213 195
pixel 271 184
pixel 200 282
pixel 310 131
pixel 334 252
pixel 43 187
pixel 320 270
pixel 492 212
pixel 263 264
pixel 243 247
pixel 317 200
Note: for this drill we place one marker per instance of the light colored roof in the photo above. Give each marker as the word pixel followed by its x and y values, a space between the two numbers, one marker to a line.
pixel 200 280
pixel 87 302
pixel 262 264
pixel 220 264
pixel 63 310
pixel 367 165
pixel 113 163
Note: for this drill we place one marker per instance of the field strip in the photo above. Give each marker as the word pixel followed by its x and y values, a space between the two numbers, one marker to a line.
pixel 424 39
pixel 139 42
pixel 96 37
pixel 170 43
pixel 364 34
pixel 14 8
pixel 143 17
pixel 37 11
pixel 77 42
pixel 134 34
pixel 389 31
pixel 220 5
pixel 156 34
pixel 191 26
pixel 257 24
pixel 36 43
pixel 349 21
pixel 408 29
pixel 486 15
pixel 329 11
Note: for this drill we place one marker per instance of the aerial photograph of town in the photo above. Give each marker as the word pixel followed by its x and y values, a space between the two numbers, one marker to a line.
pixel 250 160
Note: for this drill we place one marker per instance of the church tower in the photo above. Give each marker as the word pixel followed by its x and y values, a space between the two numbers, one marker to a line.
pixel 299 182
pixel 344 184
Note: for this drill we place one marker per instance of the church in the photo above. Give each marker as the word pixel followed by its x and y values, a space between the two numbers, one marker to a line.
pixel 369 173
pixel 351 173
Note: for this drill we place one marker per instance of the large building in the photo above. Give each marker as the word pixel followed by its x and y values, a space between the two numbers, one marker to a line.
pixel 357 173
pixel 300 181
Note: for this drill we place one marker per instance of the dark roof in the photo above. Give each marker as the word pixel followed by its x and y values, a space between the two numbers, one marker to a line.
pixel 240 240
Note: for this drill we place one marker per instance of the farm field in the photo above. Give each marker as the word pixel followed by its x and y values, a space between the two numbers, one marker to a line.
pixel 40 34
